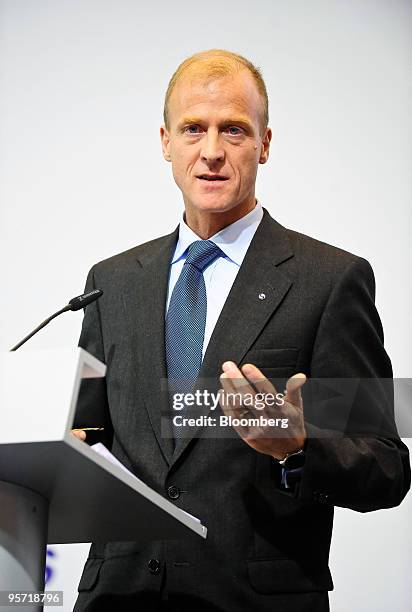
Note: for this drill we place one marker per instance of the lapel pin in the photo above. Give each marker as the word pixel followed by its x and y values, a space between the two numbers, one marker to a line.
pixel 262 296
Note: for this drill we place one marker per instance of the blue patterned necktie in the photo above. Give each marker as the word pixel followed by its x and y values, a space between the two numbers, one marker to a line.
pixel 186 320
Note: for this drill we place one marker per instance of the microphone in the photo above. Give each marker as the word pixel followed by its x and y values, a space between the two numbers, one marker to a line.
pixel 80 301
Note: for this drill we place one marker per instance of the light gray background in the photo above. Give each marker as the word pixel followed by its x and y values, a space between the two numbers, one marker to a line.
pixel 82 176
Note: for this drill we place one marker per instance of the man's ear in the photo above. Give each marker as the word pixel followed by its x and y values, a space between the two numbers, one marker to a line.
pixel 165 139
pixel 265 145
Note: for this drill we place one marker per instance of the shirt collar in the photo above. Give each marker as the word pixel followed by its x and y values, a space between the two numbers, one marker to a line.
pixel 233 240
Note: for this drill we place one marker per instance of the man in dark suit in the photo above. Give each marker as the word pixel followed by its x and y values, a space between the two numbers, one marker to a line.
pixel 234 298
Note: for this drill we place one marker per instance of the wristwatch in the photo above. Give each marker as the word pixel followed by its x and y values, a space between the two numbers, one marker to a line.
pixel 293 460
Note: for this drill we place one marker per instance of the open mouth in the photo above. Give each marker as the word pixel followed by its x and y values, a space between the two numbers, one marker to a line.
pixel 212 177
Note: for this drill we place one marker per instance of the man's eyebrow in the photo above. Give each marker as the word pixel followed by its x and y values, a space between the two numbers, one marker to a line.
pixel 236 120
pixel 189 121
pixel 239 120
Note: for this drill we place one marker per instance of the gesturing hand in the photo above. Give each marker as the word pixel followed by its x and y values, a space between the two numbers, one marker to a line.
pixel 249 382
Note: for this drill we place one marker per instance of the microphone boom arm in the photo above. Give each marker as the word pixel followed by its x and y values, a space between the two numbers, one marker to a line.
pixel 39 327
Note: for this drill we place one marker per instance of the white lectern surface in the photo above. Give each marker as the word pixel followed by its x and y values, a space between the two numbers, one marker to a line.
pixel 89 497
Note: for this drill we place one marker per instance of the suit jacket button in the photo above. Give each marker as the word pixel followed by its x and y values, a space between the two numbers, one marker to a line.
pixel 321 498
pixel 154 566
pixel 173 492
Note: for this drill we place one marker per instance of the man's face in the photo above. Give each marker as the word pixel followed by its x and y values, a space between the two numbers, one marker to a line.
pixel 215 142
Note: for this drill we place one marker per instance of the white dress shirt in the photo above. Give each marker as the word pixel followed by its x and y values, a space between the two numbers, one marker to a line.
pixel 234 241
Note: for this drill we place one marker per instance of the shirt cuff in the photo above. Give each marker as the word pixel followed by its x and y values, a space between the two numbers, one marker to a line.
pixel 290 478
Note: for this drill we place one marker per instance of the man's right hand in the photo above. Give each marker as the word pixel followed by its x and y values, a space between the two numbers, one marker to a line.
pixel 79 433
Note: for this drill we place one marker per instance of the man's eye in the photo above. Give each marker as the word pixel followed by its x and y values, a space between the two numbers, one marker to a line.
pixel 233 130
pixel 192 129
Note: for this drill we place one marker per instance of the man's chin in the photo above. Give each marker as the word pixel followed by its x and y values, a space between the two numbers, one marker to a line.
pixel 214 205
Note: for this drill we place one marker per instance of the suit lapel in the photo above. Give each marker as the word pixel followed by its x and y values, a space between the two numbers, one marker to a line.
pixel 150 343
pixel 257 292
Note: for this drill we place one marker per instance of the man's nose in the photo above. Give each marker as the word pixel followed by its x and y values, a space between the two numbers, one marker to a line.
pixel 212 150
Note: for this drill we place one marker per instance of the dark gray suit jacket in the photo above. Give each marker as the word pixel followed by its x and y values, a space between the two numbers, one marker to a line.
pixel 267 549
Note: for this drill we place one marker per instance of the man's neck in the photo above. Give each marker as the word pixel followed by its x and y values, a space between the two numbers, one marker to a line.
pixel 206 224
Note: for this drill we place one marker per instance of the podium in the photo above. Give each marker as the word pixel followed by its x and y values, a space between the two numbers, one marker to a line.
pixel 56 489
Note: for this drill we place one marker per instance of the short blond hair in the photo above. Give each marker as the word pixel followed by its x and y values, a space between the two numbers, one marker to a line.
pixel 215 64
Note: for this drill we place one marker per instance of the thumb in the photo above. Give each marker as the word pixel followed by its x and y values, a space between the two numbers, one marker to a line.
pixel 293 387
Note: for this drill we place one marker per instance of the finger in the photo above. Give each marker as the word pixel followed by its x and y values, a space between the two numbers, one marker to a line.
pixel 81 435
pixel 232 406
pixel 293 389
pixel 258 380
pixel 229 399
pixel 227 384
pixel 233 402
pixel 238 382
pixel 240 393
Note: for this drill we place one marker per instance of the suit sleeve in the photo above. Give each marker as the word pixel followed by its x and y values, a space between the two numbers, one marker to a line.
pixel 92 408
pixel 361 472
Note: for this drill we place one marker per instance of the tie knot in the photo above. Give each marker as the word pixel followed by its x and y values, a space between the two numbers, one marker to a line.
pixel 201 253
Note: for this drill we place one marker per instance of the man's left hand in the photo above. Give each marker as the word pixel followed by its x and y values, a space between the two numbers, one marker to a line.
pixel 248 381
